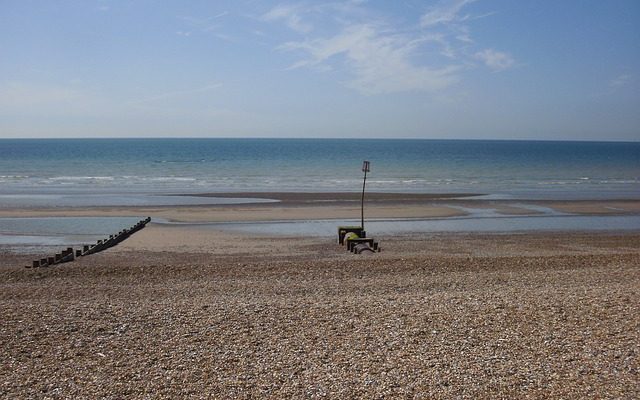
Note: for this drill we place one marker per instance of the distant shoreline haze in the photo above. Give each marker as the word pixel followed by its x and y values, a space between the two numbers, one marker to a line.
pixel 320 138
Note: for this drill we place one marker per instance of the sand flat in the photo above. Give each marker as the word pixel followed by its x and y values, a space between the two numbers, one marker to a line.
pixel 309 206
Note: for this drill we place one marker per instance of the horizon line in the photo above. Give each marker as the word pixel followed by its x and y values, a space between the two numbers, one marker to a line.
pixel 319 138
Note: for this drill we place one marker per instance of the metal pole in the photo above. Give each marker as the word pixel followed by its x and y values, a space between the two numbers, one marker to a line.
pixel 364 182
pixel 365 169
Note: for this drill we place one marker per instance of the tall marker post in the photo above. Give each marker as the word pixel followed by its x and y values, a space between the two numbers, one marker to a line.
pixel 365 169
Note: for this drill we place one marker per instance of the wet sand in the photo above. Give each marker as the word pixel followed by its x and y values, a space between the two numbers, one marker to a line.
pixel 309 206
pixel 177 312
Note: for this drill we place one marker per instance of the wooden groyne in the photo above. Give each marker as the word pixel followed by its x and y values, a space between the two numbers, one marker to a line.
pixel 69 254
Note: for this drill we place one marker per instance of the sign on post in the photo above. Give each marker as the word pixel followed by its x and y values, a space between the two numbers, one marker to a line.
pixel 365 169
pixel 365 166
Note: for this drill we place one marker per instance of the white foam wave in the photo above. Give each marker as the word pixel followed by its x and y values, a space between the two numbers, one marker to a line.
pixel 82 178
pixel 172 178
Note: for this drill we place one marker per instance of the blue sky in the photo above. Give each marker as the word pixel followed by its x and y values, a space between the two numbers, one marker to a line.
pixel 458 69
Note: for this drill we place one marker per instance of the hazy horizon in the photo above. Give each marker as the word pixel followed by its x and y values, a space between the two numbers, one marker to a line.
pixel 452 69
pixel 310 138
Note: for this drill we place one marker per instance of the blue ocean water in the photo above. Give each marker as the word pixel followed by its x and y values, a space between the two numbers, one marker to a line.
pixel 509 169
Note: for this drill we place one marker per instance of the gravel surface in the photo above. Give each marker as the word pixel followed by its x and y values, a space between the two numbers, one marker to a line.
pixel 504 316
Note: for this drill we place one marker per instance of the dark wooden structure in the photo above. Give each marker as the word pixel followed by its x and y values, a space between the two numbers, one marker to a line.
pixel 69 254
pixel 354 238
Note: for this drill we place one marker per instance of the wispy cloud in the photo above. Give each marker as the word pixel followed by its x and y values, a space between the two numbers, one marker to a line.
pixel 380 62
pixel 444 13
pixel 291 15
pixel 304 17
pixel 200 24
pixel 620 81
pixel 496 60
pixel 384 55
pixel 452 23
pixel 449 21
pixel 615 85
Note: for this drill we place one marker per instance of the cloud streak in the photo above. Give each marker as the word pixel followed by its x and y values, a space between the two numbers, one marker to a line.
pixel 290 15
pixel 495 60
pixel 385 57
pixel 203 25
pixel 380 62
pixel 444 13
pixel 448 19
pixel 620 81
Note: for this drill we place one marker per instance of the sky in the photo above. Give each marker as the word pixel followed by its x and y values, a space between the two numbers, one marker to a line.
pixel 450 69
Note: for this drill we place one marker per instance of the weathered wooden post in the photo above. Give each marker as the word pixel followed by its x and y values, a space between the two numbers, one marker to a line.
pixel 43 262
pixel 51 260
pixel 78 253
pixel 362 248
pixel 67 255
pixel 36 263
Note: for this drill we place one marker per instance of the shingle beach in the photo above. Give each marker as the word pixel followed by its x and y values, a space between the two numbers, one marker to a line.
pixel 432 316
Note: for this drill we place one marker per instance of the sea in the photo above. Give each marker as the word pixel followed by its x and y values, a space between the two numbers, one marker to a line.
pixel 150 172
pixel 45 170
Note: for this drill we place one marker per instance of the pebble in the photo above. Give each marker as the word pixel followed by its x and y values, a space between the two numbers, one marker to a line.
pixel 444 321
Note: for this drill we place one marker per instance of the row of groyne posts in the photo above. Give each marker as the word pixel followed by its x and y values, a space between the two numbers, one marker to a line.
pixel 69 254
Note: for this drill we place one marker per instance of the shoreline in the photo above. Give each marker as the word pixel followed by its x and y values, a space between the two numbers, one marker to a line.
pixel 318 214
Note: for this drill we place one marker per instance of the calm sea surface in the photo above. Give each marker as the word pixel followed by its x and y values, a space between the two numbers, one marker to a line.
pixel 90 169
